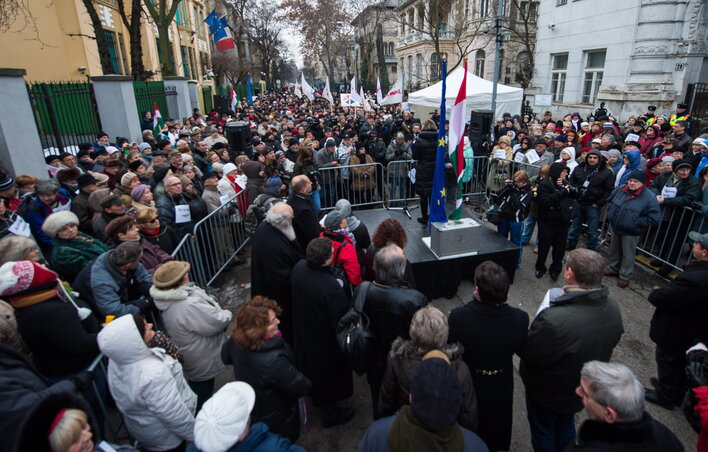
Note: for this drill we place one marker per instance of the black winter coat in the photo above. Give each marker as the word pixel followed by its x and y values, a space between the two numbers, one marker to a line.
pixel 491 335
pixel 21 388
pixel 514 202
pixel 556 205
pixel 273 257
pixel 600 185
pixel 403 358
pixel 166 212
pixel 278 384
pixel 167 239
pixel 54 334
pixel 687 191
pixel 319 302
pixel 304 220
pixel 425 149
pixel 578 327
pixel 681 309
pixel 645 435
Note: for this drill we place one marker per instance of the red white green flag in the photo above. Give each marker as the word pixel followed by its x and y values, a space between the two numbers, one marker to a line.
pixel 456 144
pixel 157 123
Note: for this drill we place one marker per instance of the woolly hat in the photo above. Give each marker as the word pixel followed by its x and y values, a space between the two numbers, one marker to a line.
pixel 127 179
pixel 616 153
pixel 6 182
pixel 54 222
pixel 273 185
pixel 667 159
pixel 344 206
pixel 224 417
pixel 101 179
pixel 133 166
pixel 605 154
pixel 333 220
pixel 138 191
pixel 228 168
pixel 170 273
pixel 678 164
pixel 143 146
pixel 651 163
pixel 638 175
pixel 159 174
pixel 85 180
pixel 435 393
pixel 701 142
pixel 21 278
pixel 111 150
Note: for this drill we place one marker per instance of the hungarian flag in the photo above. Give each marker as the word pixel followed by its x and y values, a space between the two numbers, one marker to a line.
pixel 327 93
pixel 157 123
pixel 456 146
pixel 234 100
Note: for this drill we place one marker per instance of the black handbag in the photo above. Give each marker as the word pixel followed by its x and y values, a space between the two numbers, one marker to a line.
pixel 354 337
pixel 340 273
pixel 494 214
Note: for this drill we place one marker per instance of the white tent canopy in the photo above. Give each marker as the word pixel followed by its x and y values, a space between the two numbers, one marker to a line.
pixel 479 94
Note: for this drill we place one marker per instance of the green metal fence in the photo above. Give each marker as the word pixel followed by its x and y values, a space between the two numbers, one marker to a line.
pixel 65 113
pixel 149 93
pixel 208 99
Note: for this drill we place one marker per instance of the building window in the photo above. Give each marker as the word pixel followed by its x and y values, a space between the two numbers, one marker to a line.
pixel 594 65
pixel 419 66
pixel 181 15
pixel 114 50
pixel 388 48
pixel 409 70
pixel 479 63
pixel 394 69
pixel 528 10
pixel 559 71
pixel 561 2
pixel 483 8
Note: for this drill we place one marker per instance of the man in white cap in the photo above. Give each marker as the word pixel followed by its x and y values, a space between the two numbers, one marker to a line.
pixel 223 424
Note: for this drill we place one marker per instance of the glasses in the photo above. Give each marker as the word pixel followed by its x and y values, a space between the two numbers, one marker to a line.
pixel 154 220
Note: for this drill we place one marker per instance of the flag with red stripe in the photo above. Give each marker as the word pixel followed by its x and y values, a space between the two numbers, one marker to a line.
pixel 456 145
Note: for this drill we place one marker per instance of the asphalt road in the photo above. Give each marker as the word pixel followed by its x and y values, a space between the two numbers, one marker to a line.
pixel 634 350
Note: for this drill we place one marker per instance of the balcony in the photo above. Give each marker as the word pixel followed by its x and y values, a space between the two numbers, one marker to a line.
pixel 419 36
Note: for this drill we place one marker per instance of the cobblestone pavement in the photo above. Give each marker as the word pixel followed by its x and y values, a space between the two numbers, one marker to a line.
pixel 635 350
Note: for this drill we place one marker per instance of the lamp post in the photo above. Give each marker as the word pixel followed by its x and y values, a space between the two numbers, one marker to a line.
pixel 499 39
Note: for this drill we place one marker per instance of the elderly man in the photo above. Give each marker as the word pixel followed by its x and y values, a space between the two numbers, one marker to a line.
pixel 327 158
pixel 319 302
pixel 390 304
pixel 680 317
pixel 614 403
pixel 274 253
pixel 214 138
pixel 582 323
pixel 116 283
pixel 173 207
pixel 305 220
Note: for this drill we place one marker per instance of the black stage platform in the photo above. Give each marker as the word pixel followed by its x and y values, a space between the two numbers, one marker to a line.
pixel 440 278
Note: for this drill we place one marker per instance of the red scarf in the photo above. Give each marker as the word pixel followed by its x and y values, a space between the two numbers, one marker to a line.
pixel 154 233
pixel 633 195
pixel 236 186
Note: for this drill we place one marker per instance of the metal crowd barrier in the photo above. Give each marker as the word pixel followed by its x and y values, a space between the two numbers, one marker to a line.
pixel 361 184
pixel 215 241
pixel 99 366
pixel 399 186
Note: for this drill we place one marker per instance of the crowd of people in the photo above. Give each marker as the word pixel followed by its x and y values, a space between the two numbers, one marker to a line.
pixel 87 270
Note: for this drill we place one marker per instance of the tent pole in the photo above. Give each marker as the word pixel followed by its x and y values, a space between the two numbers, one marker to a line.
pixel 497 67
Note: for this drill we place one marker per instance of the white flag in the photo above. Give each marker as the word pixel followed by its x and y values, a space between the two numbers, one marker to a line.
pixel 353 95
pixel 379 95
pixel 395 94
pixel 307 89
pixel 327 93
pixel 298 91
pixel 364 100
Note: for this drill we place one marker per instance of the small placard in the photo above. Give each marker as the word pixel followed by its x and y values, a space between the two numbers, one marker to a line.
pixel 532 156
pixel 20 227
pixel 668 192
pixel 182 214
pixel 519 157
pixel 499 154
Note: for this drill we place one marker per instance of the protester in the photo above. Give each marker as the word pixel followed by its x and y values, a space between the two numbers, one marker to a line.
pixel 304 215
pixel 266 362
pixel 389 231
pixel 343 245
pixel 514 201
pixel 491 331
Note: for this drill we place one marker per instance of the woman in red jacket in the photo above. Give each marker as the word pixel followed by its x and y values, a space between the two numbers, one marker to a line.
pixel 343 245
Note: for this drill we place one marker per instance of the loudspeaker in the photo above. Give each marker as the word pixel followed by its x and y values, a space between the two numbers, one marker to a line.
pixel 480 123
pixel 239 135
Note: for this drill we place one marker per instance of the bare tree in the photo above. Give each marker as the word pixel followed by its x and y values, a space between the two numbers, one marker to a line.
pixel 162 14
pixel 17 13
pixel 103 53
pixel 133 24
pixel 264 30
pixel 522 26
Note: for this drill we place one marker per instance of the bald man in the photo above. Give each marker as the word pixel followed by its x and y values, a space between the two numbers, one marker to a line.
pixel 274 253
pixel 305 222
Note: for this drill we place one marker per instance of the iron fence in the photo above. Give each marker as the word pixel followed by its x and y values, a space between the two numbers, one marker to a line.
pixel 66 115
pixel 208 98
pixel 147 94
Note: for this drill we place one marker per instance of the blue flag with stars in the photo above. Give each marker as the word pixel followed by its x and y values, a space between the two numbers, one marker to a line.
pixel 249 93
pixel 439 194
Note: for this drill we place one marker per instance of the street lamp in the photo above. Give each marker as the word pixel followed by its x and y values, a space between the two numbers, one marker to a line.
pixel 499 39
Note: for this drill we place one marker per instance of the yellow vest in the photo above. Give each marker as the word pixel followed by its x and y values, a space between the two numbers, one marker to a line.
pixel 674 118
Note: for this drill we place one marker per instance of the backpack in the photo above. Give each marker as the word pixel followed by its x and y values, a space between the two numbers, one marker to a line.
pixel 354 335
pixel 256 212
pixel 340 273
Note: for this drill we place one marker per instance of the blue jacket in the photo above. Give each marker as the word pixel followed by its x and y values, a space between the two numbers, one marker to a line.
pixel 259 439
pixel 37 212
pixel 635 159
pixel 112 291
pixel 632 214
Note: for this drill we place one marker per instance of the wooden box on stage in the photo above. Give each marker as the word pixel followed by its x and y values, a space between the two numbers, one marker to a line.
pixel 455 237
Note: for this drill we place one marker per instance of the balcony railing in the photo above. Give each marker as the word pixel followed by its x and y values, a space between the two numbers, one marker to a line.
pixel 420 36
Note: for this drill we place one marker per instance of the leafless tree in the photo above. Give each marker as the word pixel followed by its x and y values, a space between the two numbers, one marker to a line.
pixel 163 14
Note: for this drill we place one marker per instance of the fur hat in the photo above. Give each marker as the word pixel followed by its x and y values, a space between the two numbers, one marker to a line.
pixel 112 163
pixel 116 225
pixel 54 222
pixel 170 273
pixel 224 417
pixel 67 174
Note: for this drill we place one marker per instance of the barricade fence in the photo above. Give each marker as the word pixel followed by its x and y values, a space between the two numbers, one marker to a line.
pixel 215 241
pixel 361 184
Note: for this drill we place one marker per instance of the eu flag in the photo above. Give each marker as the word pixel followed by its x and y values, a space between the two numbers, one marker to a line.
pixel 439 194
pixel 248 90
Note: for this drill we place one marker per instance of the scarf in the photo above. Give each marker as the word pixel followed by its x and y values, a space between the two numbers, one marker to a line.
pixel 408 435
pixel 701 164
pixel 632 194
pixel 347 233
pixel 154 233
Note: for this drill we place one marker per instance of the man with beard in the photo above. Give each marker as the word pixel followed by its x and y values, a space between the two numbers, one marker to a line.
pixel 274 253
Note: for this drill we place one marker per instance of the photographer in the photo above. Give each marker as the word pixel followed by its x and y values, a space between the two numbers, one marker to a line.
pixel 595 181
pixel 514 202
pixel 556 209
